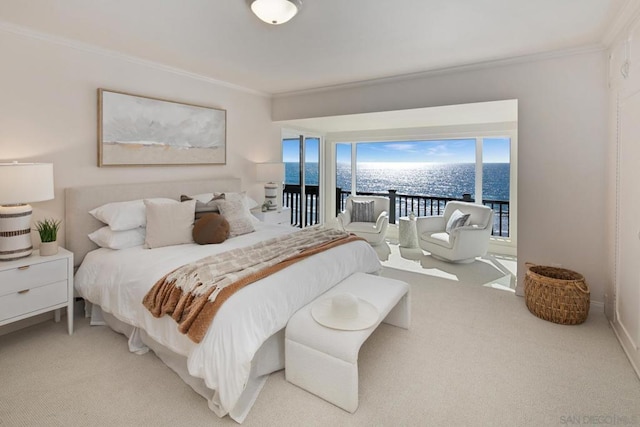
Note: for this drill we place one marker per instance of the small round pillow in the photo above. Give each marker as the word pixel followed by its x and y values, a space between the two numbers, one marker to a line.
pixel 210 228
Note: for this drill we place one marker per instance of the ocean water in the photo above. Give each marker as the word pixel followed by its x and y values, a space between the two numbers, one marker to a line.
pixel 426 179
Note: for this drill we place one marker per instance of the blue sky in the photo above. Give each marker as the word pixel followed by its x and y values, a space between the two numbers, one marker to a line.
pixel 495 150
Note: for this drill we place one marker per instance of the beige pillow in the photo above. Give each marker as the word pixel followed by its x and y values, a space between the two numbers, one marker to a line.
pixel 169 224
pixel 238 216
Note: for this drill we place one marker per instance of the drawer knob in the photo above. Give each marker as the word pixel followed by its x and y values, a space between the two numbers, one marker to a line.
pixel 24 267
pixel 23 292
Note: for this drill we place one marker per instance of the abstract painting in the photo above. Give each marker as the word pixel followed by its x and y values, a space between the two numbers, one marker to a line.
pixel 137 130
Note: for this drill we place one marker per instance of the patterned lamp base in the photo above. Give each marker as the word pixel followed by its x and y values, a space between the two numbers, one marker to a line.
pixel 15 232
pixel 271 195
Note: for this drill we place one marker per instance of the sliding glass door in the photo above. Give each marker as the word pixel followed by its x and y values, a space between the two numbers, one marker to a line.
pixel 301 193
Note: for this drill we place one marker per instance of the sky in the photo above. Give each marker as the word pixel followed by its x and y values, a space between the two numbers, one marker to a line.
pixel 495 150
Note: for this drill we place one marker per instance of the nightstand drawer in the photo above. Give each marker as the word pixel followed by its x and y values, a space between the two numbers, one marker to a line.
pixel 32 276
pixel 30 300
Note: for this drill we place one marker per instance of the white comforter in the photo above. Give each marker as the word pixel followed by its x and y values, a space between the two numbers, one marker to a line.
pixel 117 280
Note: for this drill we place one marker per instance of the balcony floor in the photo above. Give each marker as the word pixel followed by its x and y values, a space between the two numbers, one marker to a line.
pixel 493 270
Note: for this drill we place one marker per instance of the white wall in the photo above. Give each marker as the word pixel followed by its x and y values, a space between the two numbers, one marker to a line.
pixel 48 113
pixel 562 143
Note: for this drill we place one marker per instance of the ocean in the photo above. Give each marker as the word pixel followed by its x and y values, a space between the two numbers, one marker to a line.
pixel 426 179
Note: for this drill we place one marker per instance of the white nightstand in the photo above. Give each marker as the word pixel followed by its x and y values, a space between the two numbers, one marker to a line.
pixel 274 217
pixel 37 284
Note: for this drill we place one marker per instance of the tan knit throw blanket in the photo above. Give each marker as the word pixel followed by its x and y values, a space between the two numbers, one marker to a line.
pixel 193 293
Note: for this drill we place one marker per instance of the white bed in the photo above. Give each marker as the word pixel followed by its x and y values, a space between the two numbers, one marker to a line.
pixel 244 342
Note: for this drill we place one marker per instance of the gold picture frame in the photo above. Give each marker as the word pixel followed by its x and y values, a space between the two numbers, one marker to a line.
pixel 136 130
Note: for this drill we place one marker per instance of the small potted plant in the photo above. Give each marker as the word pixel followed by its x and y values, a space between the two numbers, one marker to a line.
pixel 48 230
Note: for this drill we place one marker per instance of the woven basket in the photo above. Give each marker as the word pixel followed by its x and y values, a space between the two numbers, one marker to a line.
pixel 556 294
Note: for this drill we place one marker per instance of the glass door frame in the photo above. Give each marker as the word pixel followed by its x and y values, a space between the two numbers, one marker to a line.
pixel 302 136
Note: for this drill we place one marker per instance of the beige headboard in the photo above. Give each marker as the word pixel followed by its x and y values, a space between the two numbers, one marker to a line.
pixel 80 200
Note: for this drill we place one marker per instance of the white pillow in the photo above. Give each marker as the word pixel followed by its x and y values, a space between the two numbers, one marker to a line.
pixel 169 224
pixel 250 203
pixel 237 214
pixel 121 216
pixel 107 238
pixel 457 219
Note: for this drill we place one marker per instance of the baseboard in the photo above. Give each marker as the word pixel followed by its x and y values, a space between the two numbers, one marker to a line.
pixel 597 305
pixel 632 354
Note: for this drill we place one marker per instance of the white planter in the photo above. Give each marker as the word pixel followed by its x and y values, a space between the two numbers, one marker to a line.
pixel 48 248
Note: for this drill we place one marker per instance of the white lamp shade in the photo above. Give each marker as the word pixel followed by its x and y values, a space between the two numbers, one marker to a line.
pixel 25 182
pixel 275 11
pixel 270 172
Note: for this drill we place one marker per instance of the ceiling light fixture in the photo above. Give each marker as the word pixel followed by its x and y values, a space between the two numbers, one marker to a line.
pixel 275 12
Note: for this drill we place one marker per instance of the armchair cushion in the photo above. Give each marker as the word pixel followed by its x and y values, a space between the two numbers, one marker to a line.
pixel 362 211
pixel 441 239
pixel 457 219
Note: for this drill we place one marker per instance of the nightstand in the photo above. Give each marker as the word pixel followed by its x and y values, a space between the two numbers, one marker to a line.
pixel 37 284
pixel 274 217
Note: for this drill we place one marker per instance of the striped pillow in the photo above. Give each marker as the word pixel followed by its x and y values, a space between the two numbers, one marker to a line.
pixel 457 220
pixel 209 205
pixel 362 211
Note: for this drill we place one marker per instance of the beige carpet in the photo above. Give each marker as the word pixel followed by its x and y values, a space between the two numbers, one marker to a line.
pixel 473 356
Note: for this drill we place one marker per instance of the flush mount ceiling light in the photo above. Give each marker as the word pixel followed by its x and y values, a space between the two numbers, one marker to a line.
pixel 275 12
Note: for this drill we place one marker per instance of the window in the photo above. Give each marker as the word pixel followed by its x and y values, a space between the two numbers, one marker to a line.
pixel 420 176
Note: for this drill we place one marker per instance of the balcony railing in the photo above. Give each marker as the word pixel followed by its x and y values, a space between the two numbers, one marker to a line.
pixel 399 205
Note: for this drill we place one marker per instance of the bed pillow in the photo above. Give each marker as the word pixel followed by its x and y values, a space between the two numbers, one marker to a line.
pixel 169 224
pixel 362 211
pixel 105 237
pixel 205 203
pixel 210 228
pixel 120 216
pixel 235 211
pixel 229 195
pixel 456 220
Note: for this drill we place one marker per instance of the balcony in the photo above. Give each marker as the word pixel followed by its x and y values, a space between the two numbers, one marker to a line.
pixel 400 205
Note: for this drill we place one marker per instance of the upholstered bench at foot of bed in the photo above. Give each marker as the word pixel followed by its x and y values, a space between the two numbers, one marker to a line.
pixel 324 361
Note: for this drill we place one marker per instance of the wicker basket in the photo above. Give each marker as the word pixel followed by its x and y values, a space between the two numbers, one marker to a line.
pixel 556 294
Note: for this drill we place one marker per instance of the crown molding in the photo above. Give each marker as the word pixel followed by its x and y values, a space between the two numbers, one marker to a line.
pixel 447 70
pixel 627 15
pixel 86 47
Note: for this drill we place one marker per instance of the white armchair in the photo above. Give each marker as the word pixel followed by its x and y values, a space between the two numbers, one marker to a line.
pixel 463 243
pixel 374 229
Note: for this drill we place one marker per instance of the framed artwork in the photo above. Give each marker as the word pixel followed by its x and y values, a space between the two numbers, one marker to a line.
pixel 136 130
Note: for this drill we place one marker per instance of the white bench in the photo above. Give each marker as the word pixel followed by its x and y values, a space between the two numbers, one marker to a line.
pixel 324 361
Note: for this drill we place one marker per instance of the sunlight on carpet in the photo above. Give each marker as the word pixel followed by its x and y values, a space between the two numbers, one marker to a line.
pixel 494 271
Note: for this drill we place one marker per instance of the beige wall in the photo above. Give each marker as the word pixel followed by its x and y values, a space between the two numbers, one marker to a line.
pixel 48 113
pixel 562 146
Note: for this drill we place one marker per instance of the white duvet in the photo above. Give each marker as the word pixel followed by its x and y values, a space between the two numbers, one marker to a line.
pixel 117 280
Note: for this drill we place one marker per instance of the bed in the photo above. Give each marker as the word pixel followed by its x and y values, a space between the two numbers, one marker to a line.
pixel 244 343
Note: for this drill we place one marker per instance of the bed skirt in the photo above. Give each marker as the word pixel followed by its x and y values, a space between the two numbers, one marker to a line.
pixel 268 359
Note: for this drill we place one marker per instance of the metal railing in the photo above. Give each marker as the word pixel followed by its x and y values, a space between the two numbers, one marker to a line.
pixel 399 205
pixel 291 197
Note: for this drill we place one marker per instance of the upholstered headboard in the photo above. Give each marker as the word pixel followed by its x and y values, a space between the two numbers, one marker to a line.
pixel 80 200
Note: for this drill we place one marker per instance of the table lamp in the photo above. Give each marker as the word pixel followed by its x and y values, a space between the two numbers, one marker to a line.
pixel 272 174
pixel 21 183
